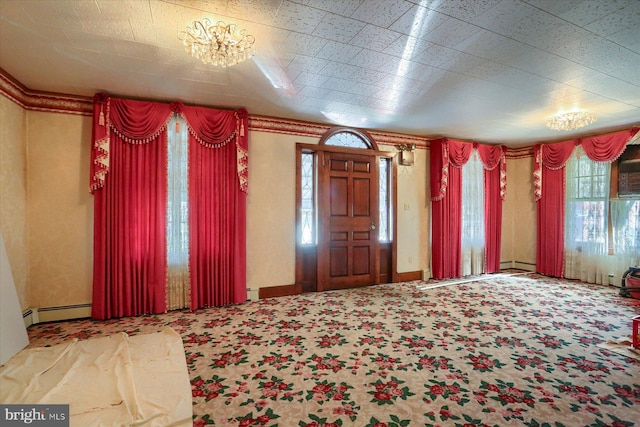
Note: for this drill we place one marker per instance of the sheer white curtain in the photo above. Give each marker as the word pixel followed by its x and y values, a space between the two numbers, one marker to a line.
pixel 625 225
pixel 473 216
pixel 178 295
pixel 586 243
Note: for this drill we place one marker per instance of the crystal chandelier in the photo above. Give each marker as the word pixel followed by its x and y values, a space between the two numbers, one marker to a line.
pixel 218 43
pixel 570 121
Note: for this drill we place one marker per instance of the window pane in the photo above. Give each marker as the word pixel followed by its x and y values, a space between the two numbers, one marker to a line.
pixel 587 195
pixel 384 229
pixel 347 139
pixel 307 200
pixel 177 196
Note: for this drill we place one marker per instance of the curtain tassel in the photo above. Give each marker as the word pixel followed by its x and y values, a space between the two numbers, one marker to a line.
pixel 242 129
pixel 101 117
pixel 177 126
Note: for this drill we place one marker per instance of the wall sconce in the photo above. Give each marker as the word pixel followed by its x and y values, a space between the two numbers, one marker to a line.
pixel 406 154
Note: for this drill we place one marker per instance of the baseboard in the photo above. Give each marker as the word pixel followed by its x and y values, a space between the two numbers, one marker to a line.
pixel 505 265
pixel 526 266
pixel 30 317
pixel 279 291
pixel 54 314
pixel 410 276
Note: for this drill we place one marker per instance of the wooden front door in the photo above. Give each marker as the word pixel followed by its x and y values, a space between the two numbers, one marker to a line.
pixel 348 244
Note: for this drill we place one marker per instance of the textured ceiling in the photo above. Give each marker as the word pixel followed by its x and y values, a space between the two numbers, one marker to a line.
pixel 486 70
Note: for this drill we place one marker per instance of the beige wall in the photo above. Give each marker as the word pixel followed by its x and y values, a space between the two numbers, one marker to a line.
pixel 414 206
pixel 519 213
pixel 46 211
pixel 13 192
pixel 271 210
pixel 60 217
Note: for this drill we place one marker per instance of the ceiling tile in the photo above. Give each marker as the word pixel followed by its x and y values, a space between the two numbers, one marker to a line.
pixel 296 17
pixel 342 85
pixel 381 13
pixel 313 92
pixel 621 19
pixel 466 10
pixel 418 21
pixel 338 28
pixel 303 62
pixel 342 7
pixel 407 47
pixel 374 60
pixel 579 12
pixel 488 70
pixel 339 70
pixel 374 38
pixel 451 33
pixel 310 79
pixel 339 52
pixel 304 44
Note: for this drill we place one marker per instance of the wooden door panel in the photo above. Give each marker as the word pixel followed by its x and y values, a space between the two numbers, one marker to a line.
pixel 348 248
pixel 361 260
pixel 339 267
pixel 361 195
pixel 361 166
pixel 338 189
pixel 338 165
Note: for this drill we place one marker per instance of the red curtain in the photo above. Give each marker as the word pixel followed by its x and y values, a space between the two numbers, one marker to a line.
pixel 129 214
pixel 217 199
pixel 549 186
pixel 446 161
pixel 548 175
pixel 129 183
pixel 447 158
pixel 495 182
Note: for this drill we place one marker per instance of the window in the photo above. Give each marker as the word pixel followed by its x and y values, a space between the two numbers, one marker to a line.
pixel 307 209
pixel 347 139
pixel 473 216
pixel 177 214
pixel 587 202
pixel 384 200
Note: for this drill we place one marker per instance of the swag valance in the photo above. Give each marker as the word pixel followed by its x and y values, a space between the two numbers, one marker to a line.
pixel 601 148
pixel 448 156
pixel 450 152
pixel 140 122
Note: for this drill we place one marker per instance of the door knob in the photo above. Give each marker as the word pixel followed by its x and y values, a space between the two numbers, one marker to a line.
pixel 372 226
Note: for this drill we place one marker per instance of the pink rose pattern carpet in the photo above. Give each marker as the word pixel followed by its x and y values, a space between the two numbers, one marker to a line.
pixel 516 351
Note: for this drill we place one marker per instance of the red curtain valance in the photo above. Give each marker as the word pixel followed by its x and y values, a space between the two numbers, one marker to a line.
pixel 141 121
pixel 601 148
pixel 445 152
pixel 459 152
pixel 493 156
pixel 608 147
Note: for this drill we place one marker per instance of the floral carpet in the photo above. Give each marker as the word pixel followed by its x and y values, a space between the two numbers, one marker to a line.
pixel 509 351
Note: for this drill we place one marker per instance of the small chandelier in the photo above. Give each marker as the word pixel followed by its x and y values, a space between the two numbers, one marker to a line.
pixel 570 121
pixel 218 43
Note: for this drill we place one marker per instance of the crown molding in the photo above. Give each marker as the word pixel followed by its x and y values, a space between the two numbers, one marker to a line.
pixel 81 105
pixel 43 101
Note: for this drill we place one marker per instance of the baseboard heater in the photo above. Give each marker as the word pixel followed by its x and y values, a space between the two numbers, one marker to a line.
pixel 33 316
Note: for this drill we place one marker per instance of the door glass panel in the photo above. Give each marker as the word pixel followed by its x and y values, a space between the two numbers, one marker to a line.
pixel 347 139
pixel 308 208
pixel 385 233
